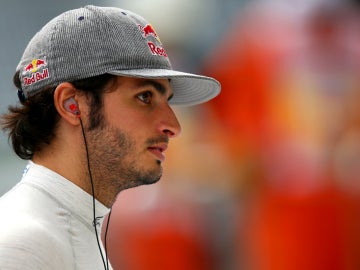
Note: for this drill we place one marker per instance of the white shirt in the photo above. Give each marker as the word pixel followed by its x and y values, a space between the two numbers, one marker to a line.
pixel 47 223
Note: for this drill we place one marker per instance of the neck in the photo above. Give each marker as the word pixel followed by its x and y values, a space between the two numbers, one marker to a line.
pixel 65 155
pixel 66 166
pixel 75 169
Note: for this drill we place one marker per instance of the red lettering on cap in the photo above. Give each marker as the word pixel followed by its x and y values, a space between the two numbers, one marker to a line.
pixel 156 50
pixel 36 77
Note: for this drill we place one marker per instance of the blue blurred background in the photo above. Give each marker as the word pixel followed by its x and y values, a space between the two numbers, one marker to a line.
pixel 266 176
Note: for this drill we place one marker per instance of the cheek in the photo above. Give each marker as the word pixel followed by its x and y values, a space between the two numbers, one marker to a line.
pixel 130 119
pixel 135 129
pixel 133 123
pixel 132 126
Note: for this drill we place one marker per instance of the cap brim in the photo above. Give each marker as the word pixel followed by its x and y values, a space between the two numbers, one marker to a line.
pixel 189 89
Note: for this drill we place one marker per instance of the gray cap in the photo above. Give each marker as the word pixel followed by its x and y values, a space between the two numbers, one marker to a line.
pixel 91 41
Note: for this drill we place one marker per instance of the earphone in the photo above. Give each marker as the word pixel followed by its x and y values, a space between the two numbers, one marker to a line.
pixel 72 106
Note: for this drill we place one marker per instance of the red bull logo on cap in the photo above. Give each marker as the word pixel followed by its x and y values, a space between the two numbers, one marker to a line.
pixel 148 30
pixel 34 65
pixel 155 49
pixel 35 71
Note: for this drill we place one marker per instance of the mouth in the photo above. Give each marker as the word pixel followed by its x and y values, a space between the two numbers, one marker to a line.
pixel 158 151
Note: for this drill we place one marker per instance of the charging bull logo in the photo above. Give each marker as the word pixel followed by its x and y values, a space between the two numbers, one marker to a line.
pixel 34 65
pixel 148 30
pixel 155 49
pixel 35 71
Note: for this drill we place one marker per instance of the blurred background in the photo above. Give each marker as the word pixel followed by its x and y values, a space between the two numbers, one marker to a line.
pixel 266 176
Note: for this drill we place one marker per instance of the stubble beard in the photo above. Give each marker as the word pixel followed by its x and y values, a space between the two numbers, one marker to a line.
pixel 113 162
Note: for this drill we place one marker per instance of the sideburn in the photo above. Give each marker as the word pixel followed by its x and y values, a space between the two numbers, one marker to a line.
pixel 96 115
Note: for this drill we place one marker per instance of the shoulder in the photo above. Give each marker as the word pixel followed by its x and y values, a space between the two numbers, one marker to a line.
pixel 26 243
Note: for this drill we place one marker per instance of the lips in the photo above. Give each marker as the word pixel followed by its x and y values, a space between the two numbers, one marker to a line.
pixel 158 150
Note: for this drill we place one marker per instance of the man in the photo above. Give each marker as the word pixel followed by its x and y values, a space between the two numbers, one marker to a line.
pixel 95 86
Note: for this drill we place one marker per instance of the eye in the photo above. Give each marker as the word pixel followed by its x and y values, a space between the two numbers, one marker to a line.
pixel 145 97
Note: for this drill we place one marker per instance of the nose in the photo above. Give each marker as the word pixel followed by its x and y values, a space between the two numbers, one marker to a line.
pixel 170 125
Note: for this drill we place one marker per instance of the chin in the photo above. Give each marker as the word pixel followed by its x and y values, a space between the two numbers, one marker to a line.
pixel 153 179
pixel 150 177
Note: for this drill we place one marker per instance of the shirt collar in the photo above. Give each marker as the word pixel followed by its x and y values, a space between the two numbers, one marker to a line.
pixel 66 193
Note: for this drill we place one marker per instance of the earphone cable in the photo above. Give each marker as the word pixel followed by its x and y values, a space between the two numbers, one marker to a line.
pixel 106 265
pixel 106 231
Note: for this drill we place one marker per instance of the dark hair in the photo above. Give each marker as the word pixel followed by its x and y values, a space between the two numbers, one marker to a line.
pixel 32 125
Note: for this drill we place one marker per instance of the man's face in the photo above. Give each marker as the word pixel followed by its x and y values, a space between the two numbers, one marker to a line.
pixel 127 149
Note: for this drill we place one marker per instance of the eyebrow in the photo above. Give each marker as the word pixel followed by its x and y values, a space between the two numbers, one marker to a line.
pixel 158 86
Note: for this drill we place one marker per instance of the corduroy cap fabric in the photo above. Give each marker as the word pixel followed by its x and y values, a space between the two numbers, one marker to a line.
pixel 91 41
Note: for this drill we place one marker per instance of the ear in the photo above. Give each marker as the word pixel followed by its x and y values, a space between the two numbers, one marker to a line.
pixel 63 93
